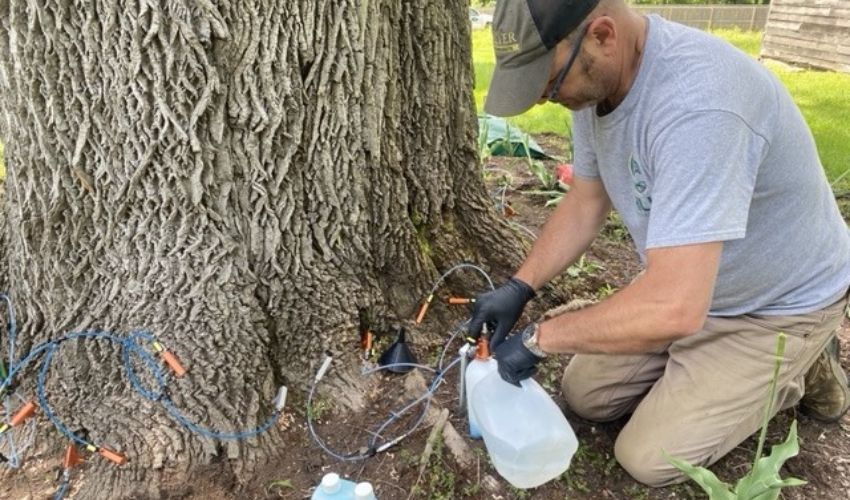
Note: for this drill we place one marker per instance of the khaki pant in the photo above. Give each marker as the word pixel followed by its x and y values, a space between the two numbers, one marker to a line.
pixel 701 396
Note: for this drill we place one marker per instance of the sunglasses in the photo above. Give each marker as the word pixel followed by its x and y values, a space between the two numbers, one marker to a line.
pixel 566 68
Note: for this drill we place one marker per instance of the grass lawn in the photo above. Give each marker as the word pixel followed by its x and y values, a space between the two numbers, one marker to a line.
pixel 821 95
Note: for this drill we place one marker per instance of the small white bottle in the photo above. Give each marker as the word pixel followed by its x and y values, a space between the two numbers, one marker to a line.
pixel 333 487
pixel 364 491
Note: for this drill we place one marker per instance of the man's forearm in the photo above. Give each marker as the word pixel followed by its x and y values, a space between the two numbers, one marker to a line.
pixel 670 300
pixel 564 238
pixel 625 323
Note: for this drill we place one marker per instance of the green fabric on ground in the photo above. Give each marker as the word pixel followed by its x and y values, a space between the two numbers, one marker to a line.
pixel 504 139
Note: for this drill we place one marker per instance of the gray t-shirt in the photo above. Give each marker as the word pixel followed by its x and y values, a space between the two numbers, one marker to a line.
pixel 708 146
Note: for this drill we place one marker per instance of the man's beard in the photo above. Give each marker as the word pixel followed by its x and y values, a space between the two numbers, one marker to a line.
pixel 594 92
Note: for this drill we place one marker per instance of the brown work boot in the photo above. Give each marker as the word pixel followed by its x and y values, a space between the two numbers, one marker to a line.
pixel 827 396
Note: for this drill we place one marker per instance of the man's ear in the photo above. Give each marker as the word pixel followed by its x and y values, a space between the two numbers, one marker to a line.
pixel 603 34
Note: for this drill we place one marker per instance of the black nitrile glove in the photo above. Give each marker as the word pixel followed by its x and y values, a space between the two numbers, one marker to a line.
pixel 500 308
pixel 516 362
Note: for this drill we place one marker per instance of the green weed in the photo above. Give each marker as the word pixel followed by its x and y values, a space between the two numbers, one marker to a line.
pixel 635 492
pixel 684 490
pixel 518 494
pixel 280 484
pixel 614 228
pixel 585 461
pixel 576 483
pixel 605 291
pixel 584 267
pixel 545 177
pixel 319 407
pixel 549 376
pixel 470 489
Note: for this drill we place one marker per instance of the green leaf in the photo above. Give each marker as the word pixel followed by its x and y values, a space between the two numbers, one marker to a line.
pixel 281 483
pixel 716 489
pixel 554 200
pixel 764 482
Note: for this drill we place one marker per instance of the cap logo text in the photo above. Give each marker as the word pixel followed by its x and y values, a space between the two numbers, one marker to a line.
pixel 505 41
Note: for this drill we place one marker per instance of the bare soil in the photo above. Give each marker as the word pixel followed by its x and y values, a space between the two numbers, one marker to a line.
pixel 823 461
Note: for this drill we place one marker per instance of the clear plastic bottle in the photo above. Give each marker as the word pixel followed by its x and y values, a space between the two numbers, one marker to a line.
pixel 527 436
pixel 481 366
pixel 333 487
pixel 364 491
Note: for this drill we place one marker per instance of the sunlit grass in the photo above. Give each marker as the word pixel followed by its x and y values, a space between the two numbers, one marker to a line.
pixel 747 41
pixel 821 96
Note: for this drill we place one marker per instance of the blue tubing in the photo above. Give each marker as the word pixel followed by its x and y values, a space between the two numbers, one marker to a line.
pixel 131 348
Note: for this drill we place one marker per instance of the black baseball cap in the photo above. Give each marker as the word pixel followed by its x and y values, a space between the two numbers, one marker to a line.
pixel 525 33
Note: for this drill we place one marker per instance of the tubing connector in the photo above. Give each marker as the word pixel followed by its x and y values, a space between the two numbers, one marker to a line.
pixel 112 456
pixel 386 446
pixel 424 309
pixel 482 349
pixel 72 458
pixel 464 351
pixel 324 368
pixel 460 301
pixel 170 360
pixel 280 400
pixel 366 340
pixel 25 413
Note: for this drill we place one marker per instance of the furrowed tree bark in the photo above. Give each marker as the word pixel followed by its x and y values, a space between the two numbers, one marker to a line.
pixel 248 181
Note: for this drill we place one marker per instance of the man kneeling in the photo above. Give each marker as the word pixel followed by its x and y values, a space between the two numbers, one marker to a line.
pixel 716 176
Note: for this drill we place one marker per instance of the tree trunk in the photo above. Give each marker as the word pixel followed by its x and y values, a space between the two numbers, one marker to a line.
pixel 248 181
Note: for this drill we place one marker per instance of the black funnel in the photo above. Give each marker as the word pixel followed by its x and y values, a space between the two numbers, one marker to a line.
pixel 398 352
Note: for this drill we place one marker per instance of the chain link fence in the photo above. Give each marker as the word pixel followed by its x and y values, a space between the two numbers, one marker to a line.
pixel 704 17
pixel 709 17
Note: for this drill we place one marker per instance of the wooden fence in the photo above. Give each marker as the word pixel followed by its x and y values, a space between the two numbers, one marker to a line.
pixel 708 17
pixel 814 33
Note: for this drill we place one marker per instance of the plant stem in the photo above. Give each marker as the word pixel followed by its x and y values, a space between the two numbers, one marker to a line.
pixel 838 179
pixel 771 400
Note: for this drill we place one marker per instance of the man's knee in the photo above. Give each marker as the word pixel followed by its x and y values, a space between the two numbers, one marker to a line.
pixel 585 399
pixel 603 388
pixel 643 459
